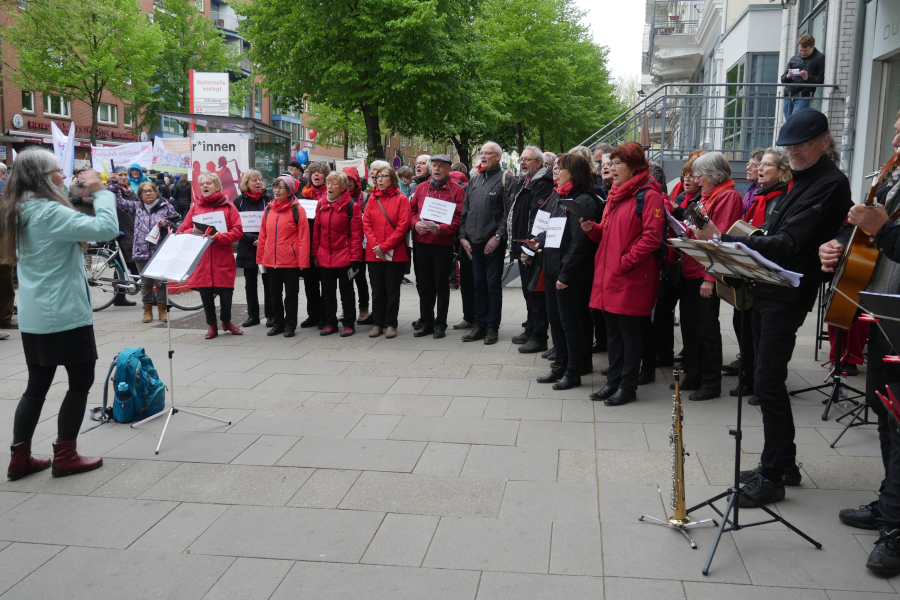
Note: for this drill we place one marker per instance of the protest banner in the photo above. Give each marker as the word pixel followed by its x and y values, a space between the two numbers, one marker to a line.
pixel 124 155
pixel 225 154
pixel 172 155
pixel 359 163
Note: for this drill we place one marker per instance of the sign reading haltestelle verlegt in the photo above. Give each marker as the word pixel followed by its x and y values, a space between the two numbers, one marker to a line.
pixel 209 93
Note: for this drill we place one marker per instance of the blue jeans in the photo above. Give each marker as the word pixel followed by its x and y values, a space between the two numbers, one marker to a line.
pixel 792 105
pixel 488 269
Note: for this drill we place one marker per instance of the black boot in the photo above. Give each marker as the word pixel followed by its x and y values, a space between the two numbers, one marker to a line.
pixel 885 558
pixel 121 300
pixel 570 380
pixel 621 397
pixel 556 373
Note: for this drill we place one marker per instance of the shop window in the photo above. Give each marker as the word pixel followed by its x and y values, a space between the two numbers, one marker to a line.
pixel 27 101
pixel 57 106
pixel 107 113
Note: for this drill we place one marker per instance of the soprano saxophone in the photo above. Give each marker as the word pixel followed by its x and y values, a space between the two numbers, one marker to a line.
pixel 676 441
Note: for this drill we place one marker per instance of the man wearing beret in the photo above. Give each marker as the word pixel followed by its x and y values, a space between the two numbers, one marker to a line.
pixel 810 215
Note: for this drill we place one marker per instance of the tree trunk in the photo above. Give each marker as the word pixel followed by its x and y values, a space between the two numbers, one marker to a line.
pixel 346 142
pixel 562 148
pixel 462 148
pixel 95 106
pixel 543 142
pixel 520 137
pixel 373 132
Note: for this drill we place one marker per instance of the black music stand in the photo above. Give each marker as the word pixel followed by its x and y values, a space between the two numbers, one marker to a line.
pixel 740 265
pixel 837 384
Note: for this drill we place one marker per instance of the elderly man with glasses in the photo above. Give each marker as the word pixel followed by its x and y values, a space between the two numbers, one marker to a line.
pixel 483 236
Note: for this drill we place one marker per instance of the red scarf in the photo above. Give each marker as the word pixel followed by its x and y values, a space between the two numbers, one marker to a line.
pixel 710 199
pixel 757 212
pixel 562 191
pixel 385 194
pixel 215 200
pixel 311 192
pixel 623 192
pixel 687 199
pixel 253 196
pixel 480 168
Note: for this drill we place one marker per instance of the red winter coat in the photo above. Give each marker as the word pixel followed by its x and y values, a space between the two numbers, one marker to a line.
pixel 337 239
pixel 727 207
pixel 377 229
pixel 626 276
pixel 449 192
pixel 283 244
pixel 217 267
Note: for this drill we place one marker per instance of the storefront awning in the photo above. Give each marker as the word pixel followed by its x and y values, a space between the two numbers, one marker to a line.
pixel 236 124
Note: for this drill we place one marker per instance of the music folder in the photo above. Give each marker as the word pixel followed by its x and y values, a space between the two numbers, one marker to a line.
pixel 177 257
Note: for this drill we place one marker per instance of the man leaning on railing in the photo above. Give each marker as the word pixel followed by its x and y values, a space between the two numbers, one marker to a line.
pixel 807 66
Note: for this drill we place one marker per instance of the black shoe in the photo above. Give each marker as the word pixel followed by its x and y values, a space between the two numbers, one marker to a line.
pixel 416 324
pixel 289 332
pixel 521 339
pixel 406 281
pixel 270 322
pixel 605 371
pixel 732 369
pixel 586 369
pixel 607 391
pixel 123 301
pixel 646 377
pixel 747 390
pixel 490 337
pixel 532 346
pixel 250 322
pixel 621 397
pixel 598 347
pixel 762 490
pixel 570 380
pixel 753 401
pixel 792 478
pixel 524 324
pixel 275 330
pixel 309 322
pixel 439 331
pixel 862 518
pixel 885 558
pixel 426 330
pixel 549 354
pixel 687 384
pixel 850 370
pixel 664 362
pixel 553 376
pixel 370 320
pixel 473 336
pixel 705 394
pixel 680 356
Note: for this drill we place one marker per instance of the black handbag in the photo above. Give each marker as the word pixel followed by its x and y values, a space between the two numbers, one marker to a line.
pixel 534 272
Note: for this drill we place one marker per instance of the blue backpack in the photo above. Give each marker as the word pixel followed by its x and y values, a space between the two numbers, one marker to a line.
pixel 138 391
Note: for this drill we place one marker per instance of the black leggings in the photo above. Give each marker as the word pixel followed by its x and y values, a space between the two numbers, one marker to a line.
pixel 71 413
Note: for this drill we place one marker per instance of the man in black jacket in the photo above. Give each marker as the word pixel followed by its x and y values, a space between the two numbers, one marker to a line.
pixel 807 66
pixel 536 189
pixel 181 195
pixel 809 215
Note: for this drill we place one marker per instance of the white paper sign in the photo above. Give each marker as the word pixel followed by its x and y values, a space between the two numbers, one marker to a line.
pixel 555 230
pixel 440 211
pixel 310 207
pixel 541 221
pixel 153 236
pixel 210 93
pixel 251 220
pixel 215 218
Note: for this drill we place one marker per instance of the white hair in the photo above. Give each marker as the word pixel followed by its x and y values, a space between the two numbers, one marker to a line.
pixel 496 146
pixel 427 158
pixel 374 168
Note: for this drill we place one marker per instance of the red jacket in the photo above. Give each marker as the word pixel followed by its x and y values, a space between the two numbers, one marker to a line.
pixel 449 192
pixel 283 244
pixel 626 276
pixel 377 229
pixel 216 267
pixel 337 239
pixel 726 209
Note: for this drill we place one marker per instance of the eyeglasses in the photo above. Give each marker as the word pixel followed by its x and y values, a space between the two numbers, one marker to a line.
pixel 615 164
pixel 487 153
pixel 60 171
pixel 523 159
pixel 765 165
pixel 382 177
pixel 421 164
pixel 802 146
pixel 753 165
pixel 148 191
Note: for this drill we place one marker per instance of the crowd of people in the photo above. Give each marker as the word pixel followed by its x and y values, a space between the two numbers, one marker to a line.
pixel 587 230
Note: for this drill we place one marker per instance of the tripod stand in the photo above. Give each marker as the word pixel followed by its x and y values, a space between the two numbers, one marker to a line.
pixel 837 384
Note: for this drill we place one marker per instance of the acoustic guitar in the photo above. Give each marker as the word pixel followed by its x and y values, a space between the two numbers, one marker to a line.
pixel 857 264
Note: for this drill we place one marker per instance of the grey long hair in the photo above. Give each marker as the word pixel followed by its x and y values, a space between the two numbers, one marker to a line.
pixel 31 177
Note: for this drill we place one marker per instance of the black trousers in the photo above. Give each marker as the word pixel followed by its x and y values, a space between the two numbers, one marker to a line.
pixel 536 323
pixel 570 321
pixel 466 284
pixel 7 294
pixel 889 498
pixel 702 335
pixel 664 320
pixel 362 288
pixel 741 320
pixel 331 280
pixel 432 262
pixel 71 412
pixel 878 375
pixel 385 278
pixel 250 286
pixel 312 281
pixel 207 296
pixel 624 341
pixel 775 326
pixel 599 325
pixel 284 310
pixel 648 350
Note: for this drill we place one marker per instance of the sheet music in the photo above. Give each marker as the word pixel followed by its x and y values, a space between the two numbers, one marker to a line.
pixel 735 259
pixel 676 225
pixel 177 257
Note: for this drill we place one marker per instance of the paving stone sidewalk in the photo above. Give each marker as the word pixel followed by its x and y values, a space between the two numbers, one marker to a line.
pixel 416 468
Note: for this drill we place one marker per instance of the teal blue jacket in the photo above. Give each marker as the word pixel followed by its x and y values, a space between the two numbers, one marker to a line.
pixel 53 288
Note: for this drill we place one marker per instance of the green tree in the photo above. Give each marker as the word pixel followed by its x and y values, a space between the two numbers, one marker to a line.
pixel 382 58
pixel 79 50
pixel 333 124
pixel 191 41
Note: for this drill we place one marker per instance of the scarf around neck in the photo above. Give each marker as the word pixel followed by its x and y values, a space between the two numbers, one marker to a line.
pixel 757 213
pixel 618 193
pixel 215 200
pixel 253 196
pixel 710 199
pixel 562 191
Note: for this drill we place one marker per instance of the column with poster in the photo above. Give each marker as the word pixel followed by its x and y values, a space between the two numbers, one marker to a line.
pixel 225 154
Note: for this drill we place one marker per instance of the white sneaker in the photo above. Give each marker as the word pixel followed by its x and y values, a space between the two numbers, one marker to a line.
pixel 463 324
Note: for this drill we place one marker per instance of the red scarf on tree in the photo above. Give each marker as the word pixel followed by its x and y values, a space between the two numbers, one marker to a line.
pixel 618 193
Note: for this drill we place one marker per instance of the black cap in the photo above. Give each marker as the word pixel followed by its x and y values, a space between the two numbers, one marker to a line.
pixel 441 157
pixel 295 164
pixel 802 126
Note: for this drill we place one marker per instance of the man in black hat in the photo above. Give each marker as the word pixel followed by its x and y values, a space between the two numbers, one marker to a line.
pixel 810 215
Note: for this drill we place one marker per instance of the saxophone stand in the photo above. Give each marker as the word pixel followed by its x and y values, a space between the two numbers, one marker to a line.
pixel 679 519
pixel 837 385
pixel 746 268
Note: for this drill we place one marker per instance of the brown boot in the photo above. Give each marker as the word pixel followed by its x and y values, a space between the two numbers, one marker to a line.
pixel 66 461
pixel 21 463
pixel 163 315
pixel 148 313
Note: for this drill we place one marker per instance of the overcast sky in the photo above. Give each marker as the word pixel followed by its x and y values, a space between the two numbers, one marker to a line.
pixel 618 24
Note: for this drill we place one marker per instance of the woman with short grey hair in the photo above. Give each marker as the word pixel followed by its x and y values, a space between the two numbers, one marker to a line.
pixel 715 167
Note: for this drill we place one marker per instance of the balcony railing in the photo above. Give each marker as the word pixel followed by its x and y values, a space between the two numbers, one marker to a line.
pixel 225 22
pixel 676 16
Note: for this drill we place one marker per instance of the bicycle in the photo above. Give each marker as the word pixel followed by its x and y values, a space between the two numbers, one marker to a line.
pixel 108 276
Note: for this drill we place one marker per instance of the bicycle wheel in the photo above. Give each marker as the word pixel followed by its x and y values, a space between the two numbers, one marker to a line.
pixel 183 297
pixel 102 271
